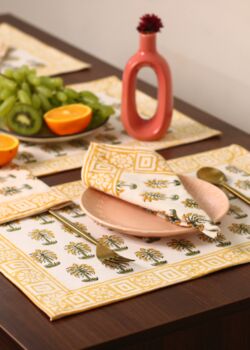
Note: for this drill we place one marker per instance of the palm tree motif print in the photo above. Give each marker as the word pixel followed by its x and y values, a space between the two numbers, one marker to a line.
pixel 152 255
pixel 79 144
pixel 12 190
pixel 108 138
pixel 123 268
pixel 55 149
pixel 235 170
pixel 150 239
pixel 157 196
pixel 121 184
pixel 82 271
pixel 173 217
pixel 154 183
pixel 46 257
pixel 45 236
pixel 108 127
pixel 112 241
pixel 240 229
pixel 220 240
pixel 5 178
pixel 74 211
pixel 236 212
pixel 190 203
pixel 229 195
pixel 183 245
pixel 82 227
pixel 243 184
pixel 12 226
pixel 26 157
pixel 44 219
pixel 80 249
pixel 195 220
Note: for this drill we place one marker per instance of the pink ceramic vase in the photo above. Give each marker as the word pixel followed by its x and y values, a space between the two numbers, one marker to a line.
pixel 156 127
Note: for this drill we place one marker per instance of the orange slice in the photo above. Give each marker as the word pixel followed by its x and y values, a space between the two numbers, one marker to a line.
pixel 69 119
pixel 8 148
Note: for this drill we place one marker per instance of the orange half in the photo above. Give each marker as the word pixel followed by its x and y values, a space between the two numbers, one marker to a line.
pixel 69 119
pixel 8 148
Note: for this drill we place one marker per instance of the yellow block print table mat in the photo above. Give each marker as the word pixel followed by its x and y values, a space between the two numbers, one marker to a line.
pixel 23 195
pixel 59 272
pixel 25 49
pixel 48 159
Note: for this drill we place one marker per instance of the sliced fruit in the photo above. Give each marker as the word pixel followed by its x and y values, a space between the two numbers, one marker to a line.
pixel 24 119
pixel 8 148
pixel 69 119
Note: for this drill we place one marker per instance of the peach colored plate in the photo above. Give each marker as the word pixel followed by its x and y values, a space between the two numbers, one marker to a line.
pixel 128 218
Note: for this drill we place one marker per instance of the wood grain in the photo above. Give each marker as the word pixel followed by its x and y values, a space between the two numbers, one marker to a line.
pixel 210 312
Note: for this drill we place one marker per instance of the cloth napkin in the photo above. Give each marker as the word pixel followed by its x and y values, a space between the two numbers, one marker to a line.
pixel 142 177
pixel 23 195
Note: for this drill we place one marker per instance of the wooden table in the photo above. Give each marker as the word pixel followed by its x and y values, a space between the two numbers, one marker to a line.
pixel 212 312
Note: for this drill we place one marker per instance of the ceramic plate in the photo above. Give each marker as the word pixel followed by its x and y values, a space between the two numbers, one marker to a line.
pixel 131 219
pixel 46 136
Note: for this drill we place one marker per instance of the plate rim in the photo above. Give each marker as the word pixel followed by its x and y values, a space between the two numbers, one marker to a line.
pixel 53 138
pixel 185 230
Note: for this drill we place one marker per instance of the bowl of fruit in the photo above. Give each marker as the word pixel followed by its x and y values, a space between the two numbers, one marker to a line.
pixel 41 109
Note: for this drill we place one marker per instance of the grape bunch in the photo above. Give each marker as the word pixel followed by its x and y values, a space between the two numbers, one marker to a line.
pixel 25 97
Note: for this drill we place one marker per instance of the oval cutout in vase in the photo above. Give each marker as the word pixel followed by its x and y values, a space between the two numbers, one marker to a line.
pixel 147 55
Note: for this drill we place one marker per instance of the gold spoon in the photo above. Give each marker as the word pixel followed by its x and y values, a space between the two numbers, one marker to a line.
pixel 217 177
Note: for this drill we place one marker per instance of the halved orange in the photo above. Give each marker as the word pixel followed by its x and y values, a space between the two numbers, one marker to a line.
pixel 69 119
pixel 8 148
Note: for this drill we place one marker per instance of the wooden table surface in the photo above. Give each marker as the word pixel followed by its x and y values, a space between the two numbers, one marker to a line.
pixel 210 312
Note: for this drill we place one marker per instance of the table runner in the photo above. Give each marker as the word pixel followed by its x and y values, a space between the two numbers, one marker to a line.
pixel 48 159
pixel 28 50
pixel 59 272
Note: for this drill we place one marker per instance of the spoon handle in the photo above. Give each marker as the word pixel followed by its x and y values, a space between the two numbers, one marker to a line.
pixel 236 193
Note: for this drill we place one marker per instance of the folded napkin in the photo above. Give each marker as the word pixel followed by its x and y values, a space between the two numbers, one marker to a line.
pixel 142 177
pixel 22 195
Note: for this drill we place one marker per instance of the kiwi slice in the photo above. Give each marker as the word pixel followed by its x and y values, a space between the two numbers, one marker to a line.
pixel 24 119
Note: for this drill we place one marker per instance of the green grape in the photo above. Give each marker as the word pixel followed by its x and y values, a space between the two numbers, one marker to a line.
pixel 24 97
pixel 88 97
pixel 18 76
pixel 55 101
pixel 33 79
pixel 93 105
pixel 61 96
pixel 36 102
pixel 25 70
pixel 44 91
pixel 72 94
pixel 7 105
pixel 25 87
pixel 47 82
pixel 105 111
pixel 5 93
pixel 7 83
pixel 9 73
pixel 46 105
pixel 57 82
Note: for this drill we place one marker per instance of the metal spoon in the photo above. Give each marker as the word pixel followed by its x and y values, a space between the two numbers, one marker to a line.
pixel 217 177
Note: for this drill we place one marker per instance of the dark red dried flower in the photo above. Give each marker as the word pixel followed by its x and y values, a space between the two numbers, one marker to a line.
pixel 149 24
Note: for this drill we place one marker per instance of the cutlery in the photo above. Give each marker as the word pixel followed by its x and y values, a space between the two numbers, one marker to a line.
pixel 107 256
pixel 217 177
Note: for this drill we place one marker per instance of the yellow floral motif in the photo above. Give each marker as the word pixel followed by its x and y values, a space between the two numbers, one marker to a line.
pixel 121 160
pixel 153 196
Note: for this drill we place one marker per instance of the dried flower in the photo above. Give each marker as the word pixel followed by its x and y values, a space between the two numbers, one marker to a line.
pixel 149 24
